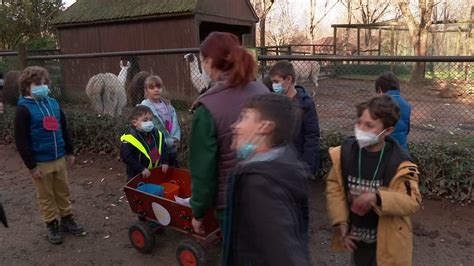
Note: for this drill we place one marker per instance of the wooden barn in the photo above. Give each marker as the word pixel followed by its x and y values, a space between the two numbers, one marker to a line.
pixel 97 26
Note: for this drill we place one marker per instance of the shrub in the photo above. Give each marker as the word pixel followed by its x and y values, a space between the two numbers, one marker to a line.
pixel 446 169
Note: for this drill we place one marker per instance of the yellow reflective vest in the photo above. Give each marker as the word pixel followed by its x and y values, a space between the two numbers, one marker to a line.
pixel 137 144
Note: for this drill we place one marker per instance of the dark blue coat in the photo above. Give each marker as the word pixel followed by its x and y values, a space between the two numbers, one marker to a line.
pixel 306 139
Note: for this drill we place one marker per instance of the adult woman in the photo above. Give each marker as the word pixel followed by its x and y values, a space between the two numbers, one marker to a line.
pixel 232 70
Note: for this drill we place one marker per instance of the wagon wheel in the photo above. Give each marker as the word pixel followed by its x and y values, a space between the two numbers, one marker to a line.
pixel 190 253
pixel 141 237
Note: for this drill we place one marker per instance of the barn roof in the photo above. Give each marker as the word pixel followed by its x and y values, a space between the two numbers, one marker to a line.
pixel 87 11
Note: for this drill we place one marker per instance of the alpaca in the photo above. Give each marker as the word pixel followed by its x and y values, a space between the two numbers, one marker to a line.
pixel 307 70
pixel 106 91
pixel 136 88
pixel 200 80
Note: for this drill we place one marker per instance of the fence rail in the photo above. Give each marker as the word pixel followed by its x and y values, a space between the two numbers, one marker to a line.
pixel 443 106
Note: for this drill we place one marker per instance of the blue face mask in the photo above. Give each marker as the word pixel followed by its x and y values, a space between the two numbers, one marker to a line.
pixel 39 92
pixel 244 152
pixel 278 88
pixel 147 126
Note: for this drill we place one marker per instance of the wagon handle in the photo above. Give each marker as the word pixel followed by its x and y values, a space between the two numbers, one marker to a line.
pixel 173 182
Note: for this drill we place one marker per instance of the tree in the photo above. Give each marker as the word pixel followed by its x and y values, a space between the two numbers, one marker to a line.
pixel 418 26
pixel 367 12
pixel 284 29
pixel 313 23
pixel 25 20
pixel 262 7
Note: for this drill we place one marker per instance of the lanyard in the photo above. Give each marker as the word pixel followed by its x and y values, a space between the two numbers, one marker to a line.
pixel 47 111
pixel 378 164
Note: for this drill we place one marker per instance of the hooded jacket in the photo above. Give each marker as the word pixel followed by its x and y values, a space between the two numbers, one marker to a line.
pixel 267 216
pixel 399 198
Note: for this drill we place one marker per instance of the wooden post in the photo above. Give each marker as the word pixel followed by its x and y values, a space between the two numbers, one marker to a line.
pixel 380 42
pixel 22 54
pixel 335 41
pixel 392 41
pixel 358 41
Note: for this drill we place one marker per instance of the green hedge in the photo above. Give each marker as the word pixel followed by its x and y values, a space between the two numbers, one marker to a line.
pixel 446 169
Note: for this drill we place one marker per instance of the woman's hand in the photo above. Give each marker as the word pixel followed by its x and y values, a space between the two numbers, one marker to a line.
pixel 197 226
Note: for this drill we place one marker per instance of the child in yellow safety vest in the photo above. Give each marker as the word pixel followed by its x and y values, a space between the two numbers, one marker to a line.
pixel 142 146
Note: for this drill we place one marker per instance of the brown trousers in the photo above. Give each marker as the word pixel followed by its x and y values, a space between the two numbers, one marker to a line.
pixel 52 190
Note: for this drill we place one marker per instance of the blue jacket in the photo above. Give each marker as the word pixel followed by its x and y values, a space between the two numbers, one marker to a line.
pixel 402 128
pixel 44 145
pixel 306 139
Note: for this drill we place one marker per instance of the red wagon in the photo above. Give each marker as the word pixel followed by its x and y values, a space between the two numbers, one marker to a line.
pixel 156 212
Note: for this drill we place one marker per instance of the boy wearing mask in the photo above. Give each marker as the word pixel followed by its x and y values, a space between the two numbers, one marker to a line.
pixel 44 144
pixel 306 139
pixel 266 219
pixel 143 146
pixel 372 189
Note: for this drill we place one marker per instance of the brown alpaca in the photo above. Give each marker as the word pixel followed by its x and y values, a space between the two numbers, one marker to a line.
pixel 136 88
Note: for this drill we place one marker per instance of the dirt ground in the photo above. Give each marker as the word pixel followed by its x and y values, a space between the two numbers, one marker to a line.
pixel 444 232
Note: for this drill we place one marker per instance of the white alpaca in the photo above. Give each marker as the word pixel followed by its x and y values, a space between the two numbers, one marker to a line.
pixel 200 80
pixel 307 70
pixel 106 91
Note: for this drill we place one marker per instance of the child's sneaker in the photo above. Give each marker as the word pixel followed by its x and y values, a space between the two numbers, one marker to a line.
pixel 54 232
pixel 69 225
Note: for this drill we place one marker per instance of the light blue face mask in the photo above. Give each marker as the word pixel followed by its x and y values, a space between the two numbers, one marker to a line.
pixel 39 92
pixel 278 88
pixel 244 152
pixel 147 126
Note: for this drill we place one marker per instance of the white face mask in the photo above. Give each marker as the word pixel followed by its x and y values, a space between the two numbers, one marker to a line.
pixel 365 139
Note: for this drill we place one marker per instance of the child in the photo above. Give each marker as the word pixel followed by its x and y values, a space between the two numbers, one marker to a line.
pixel 372 189
pixel 266 220
pixel 306 140
pixel 143 146
pixel 42 140
pixel 388 83
pixel 164 117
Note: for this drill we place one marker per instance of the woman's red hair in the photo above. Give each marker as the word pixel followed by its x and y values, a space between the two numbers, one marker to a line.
pixel 229 56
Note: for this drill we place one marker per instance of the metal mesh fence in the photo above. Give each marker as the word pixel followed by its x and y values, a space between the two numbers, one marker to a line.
pixel 442 105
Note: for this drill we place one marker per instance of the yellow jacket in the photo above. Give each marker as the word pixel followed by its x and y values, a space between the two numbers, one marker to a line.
pixel 401 199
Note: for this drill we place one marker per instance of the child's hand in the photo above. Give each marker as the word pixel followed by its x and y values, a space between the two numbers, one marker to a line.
pixel 146 173
pixel 197 226
pixel 363 203
pixel 164 168
pixel 176 142
pixel 348 240
pixel 70 160
pixel 36 173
